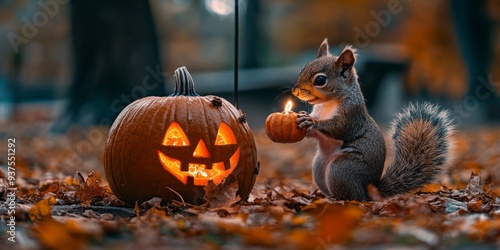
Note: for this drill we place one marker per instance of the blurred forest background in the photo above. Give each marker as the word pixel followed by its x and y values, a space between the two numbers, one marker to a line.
pixel 80 62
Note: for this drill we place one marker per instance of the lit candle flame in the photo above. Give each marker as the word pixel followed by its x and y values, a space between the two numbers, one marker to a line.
pixel 288 107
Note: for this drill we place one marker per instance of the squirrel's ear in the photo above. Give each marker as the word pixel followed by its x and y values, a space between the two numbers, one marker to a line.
pixel 347 58
pixel 323 48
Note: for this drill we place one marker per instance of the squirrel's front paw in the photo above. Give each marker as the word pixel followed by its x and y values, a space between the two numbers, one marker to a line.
pixel 305 120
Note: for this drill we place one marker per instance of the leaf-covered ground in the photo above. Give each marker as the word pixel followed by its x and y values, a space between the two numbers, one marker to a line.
pixel 63 202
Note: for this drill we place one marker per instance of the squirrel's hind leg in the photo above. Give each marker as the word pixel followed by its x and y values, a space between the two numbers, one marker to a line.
pixel 345 181
pixel 319 169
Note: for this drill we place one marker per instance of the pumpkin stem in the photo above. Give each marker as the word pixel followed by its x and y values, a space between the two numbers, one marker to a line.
pixel 184 84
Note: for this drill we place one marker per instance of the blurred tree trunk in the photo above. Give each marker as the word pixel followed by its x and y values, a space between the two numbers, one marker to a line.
pixel 115 60
pixel 474 31
pixel 252 35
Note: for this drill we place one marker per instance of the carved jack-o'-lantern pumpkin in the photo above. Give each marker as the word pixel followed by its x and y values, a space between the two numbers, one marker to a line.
pixel 181 142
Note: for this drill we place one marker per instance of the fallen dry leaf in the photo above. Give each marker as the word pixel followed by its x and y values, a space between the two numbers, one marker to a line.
pixel 88 189
pixel 474 185
pixel 60 236
pixel 336 222
pixel 42 210
pixel 222 195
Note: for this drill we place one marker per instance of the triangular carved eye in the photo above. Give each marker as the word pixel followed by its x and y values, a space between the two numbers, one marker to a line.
pixel 225 135
pixel 175 136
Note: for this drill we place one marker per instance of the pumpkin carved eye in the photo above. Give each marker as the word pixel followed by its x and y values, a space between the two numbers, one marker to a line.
pixel 225 135
pixel 175 136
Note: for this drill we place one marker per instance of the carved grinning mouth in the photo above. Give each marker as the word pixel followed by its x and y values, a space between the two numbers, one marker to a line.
pixel 199 171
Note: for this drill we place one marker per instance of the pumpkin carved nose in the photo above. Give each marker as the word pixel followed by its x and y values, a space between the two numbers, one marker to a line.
pixel 201 150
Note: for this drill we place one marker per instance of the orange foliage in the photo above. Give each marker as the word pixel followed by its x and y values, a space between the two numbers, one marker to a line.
pixel 42 210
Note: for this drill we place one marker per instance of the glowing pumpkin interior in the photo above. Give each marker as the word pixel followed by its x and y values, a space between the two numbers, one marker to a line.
pixel 186 161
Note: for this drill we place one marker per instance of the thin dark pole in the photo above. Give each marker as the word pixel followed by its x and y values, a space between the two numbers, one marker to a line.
pixel 236 53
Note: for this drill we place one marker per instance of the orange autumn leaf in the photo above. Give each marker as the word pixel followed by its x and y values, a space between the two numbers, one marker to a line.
pixel 475 205
pixel 89 189
pixel 482 229
pixel 432 187
pixel 302 239
pixel 70 181
pixel 42 210
pixel 57 235
pixel 336 223
pixel 473 165
pixel 257 236
pixel 53 187
pixel 155 214
pixel 222 195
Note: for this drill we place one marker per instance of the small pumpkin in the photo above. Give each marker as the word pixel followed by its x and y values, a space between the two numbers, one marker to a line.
pixel 181 142
pixel 281 127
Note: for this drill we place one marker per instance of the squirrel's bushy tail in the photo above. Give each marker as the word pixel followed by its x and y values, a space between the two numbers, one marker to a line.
pixel 422 149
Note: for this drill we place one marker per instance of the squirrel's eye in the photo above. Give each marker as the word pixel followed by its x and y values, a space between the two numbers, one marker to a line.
pixel 320 80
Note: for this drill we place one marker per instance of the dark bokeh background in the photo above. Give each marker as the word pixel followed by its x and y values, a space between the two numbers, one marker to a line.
pixel 79 62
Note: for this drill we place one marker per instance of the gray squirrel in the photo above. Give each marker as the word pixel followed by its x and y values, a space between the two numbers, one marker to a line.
pixel 351 149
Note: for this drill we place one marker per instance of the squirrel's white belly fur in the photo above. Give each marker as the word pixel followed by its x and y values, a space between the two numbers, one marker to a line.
pixel 325 110
pixel 328 148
